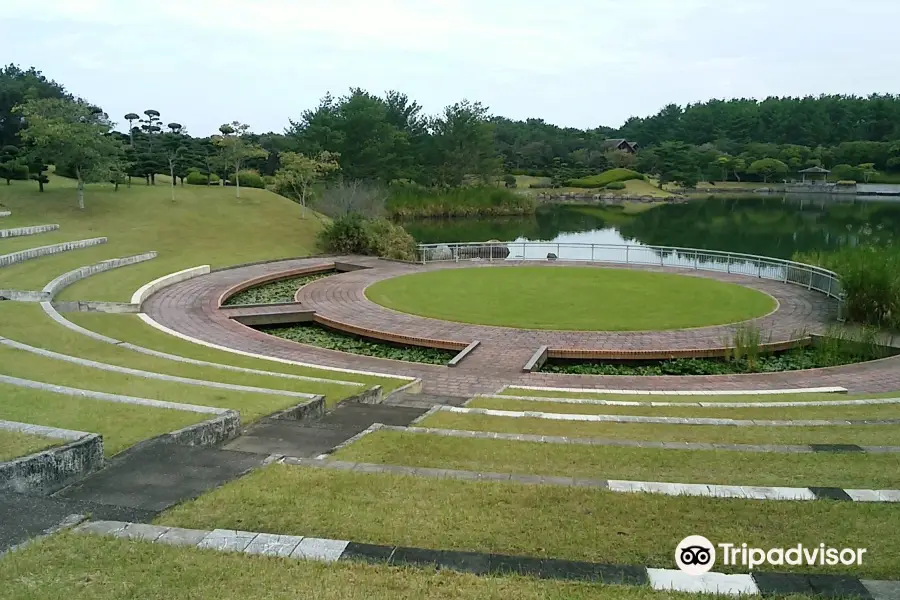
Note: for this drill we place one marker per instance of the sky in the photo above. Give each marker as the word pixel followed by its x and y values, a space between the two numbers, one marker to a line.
pixel 575 63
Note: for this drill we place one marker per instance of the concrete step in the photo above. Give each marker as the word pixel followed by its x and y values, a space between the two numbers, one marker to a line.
pixel 420 400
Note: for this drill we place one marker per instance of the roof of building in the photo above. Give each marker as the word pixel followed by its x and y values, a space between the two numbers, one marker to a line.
pixel 815 170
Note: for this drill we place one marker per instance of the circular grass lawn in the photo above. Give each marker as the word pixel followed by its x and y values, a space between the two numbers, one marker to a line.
pixel 571 298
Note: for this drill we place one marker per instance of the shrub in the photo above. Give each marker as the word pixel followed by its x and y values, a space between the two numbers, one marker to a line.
pixel 251 179
pixel 847 182
pixel 605 178
pixel 846 173
pixel 389 240
pixel 198 178
pixel 509 181
pixel 416 201
pixel 616 185
pixel 354 234
pixel 541 185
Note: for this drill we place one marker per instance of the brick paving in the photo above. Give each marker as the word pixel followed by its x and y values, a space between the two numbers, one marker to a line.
pixel 192 308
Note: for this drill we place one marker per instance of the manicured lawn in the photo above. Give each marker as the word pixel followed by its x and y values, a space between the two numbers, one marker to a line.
pixel 121 425
pixel 864 435
pixel 875 411
pixel 588 395
pixel 559 522
pixel 81 567
pixel 26 322
pixel 130 328
pixel 14 444
pixel 873 471
pixel 200 227
pixel 570 298
pixel 25 365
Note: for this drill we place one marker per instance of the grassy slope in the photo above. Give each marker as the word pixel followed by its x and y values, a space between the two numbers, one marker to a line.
pixel 27 323
pixel 570 298
pixel 559 522
pixel 864 435
pixel 587 394
pixel 203 226
pixel 81 567
pixel 877 471
pixel 121 425
pixel 14 444
pixel 877 411
pixel 130 328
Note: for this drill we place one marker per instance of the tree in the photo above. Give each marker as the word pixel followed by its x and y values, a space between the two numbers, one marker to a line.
pixel 73 133
pixel 17 86
pixel 298 173
pixel 236 148
pixel 619 159
pixel 37 168
pixel 464 144
pixel 675 162
pixel 12 164
pixel 150 161
pixel 131 118
pixel 868 171
pixel 768 167
pixel 174 145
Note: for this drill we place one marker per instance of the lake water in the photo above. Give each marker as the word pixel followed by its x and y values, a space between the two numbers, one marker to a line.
pixel 767 226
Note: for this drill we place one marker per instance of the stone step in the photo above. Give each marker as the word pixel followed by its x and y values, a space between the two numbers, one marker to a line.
pixel 418 400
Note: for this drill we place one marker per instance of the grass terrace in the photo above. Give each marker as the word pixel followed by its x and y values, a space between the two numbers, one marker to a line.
pixel 14 444
pixel 637 397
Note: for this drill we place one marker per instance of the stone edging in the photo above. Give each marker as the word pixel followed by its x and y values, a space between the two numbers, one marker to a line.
pixel 23 255
pixel 4 213
pixel 597 402
pixel 565 440
pixel 743 492
pixel 661 420
pixel 146 290
pixel 49 470
pixel 66 279
pixel 54 314
pixel 463 353
pixel 148 374
pixel 22 231
pixel 633 392
pixel 480 563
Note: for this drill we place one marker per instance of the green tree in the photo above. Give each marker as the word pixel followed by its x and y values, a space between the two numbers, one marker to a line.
pixel 463 141
pixel 73 133
pixel 12 164
pixel 174 146
pixel 767 168
pixel 868 171
pixel 675 162
pixel 235 148
pixel 298 174
pixel 18 86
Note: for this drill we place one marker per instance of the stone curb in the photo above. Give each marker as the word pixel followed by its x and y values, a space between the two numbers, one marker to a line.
pixel 54 314
pixel 148 289
pixel 633 392
pixel 352 440
pixel 480 563
pixel 660 420
pixel 23 255
pixel 46 471
pixel 23 231
pixel 148 374
pixel 744 492
pixel 463 353
pixel 160 327
pixel 66 279
pixel 593 402
pixel 4 213
pixel 551 439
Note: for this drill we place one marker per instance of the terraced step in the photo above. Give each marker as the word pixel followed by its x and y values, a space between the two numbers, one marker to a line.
pixel 41 251
pixel 4 213
pixel 23 231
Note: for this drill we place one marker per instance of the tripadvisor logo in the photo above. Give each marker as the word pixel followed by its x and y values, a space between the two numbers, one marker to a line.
pixel 696 555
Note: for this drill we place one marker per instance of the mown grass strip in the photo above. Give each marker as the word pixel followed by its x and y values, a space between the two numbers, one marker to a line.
pixel 14 444
pixel 544 521
pixel 878 471
pixel 129 328
pixel 79 567
pixel 814 397
pixel 863 435
pixel 873 411
pixel 27 323
pixel 121 425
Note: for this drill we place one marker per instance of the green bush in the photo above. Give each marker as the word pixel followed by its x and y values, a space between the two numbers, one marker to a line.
pixel 847 182
pixel 541 185
pixel 251 179
pixel 605 178
pixel 405 200
pixel 198 178
pixel 354 234
pixel 509 181
pixel 616 185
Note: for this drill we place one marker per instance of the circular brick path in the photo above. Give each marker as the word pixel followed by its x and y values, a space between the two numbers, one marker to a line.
pixel 192 308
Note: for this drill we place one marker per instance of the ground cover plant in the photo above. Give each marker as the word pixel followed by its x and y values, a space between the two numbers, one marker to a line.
pixel 274 292
pixel 570 298
pixel 606 178
pixel 407 201
pixel 530 520
pixel 878 471
pixel 14 444
pixel 863 435
pixel 322 337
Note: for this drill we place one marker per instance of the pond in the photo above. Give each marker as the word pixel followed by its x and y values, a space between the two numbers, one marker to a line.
pixel 767 226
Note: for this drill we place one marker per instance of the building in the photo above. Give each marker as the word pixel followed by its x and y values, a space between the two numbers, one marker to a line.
pixel 815 175
pixel 621 144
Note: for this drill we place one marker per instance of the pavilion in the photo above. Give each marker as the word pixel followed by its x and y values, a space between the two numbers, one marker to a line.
pixel 815 175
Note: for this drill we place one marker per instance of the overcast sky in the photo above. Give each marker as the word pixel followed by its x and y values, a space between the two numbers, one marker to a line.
pixel 578 63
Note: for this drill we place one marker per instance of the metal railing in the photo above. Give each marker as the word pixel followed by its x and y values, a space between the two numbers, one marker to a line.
pixel 809 276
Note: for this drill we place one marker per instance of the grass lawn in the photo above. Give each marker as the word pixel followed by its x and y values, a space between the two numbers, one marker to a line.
pixel 72 567
pixel 121 425
pixel 130 328
pixel 546 521
pixel 200 227
pixel 864 435
pixel 26 322
pixel 873 471
pixel 252 406
pixel 589 395
pixel 14 444
pixel 876 411
pixel 570 298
